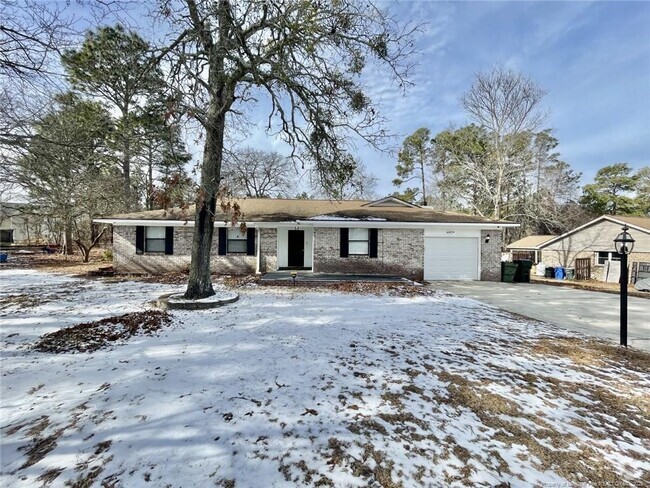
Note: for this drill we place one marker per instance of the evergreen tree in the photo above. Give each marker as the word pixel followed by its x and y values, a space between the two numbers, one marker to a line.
pixel 612 191
pixel 118 68
pixel 414 158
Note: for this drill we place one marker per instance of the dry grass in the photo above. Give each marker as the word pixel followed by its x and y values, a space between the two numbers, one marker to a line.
pixel 591 285
pixel 40 447
pixel 49 476
pixel 20 301
pixel 575 465
pixel 591 352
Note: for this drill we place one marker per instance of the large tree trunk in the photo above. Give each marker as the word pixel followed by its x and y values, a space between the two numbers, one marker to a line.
pixel 199 284
pixel 68 242
pixel 150 179
pixel 126 154
pixel 126 169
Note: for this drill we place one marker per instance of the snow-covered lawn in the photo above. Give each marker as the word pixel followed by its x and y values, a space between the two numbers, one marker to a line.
pixel 292 387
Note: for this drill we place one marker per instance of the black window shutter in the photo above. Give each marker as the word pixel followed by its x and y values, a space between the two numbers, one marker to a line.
pixel 169 240
pixel 223 240
pixel 344 243
pixel 250 242
pixel 372 236
pixel 139 239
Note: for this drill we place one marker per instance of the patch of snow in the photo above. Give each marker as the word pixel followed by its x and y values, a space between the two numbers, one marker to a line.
pixel 291 387
pixel 341 218
pixel 218 297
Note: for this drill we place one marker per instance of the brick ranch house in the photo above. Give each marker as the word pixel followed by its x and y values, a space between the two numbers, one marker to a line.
pixel 384 237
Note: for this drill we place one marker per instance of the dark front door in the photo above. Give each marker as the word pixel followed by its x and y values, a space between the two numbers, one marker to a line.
pixel 296 248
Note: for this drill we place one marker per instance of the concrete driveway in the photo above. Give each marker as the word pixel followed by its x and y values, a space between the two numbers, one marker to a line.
pixel 590 312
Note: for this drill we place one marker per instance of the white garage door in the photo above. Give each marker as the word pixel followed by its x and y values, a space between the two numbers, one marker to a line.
pixel 450 258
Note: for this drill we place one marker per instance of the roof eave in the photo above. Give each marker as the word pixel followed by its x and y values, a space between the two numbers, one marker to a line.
pixel 310 223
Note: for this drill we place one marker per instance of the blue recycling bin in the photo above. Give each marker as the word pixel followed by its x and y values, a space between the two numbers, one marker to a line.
pixel 3 257
pixel 560 274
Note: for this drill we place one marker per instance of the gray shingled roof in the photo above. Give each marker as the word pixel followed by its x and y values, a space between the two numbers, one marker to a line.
pixel 281 210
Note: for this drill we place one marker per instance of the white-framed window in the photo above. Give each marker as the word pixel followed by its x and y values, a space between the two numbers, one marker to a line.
pixel 154 239
pixel 358 242
pixel 603 256
pixel 237 242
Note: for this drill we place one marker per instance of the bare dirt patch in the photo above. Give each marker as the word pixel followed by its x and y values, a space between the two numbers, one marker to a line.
pixel 91 336
pixel 58 263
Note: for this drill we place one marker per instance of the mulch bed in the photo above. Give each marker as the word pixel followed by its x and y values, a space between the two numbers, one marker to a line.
pixel 91 336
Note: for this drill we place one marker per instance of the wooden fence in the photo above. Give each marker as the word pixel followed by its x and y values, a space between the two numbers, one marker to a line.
pixel 529 255
pixel 640 271
pixel 583 268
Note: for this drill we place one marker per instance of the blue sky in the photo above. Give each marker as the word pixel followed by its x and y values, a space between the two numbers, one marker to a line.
pixel 593 58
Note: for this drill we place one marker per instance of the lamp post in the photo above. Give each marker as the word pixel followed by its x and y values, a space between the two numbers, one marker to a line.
pixel 624 245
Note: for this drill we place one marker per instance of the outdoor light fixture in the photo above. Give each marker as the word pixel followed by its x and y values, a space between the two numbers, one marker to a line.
pixel 487 238
pixel 624 245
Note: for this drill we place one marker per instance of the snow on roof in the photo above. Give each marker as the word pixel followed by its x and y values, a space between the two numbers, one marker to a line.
pixel 343 218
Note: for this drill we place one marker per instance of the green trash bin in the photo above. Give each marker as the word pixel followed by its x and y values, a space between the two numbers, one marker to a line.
pixel 570 273
pixel 523 272
pixel 508 272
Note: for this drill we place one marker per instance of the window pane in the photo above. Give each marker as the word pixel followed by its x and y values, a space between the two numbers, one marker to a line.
pixel 358 247
pixel 155 245
pixel 235 233
pixel 155 232
pixel 358 234
pixel 237 245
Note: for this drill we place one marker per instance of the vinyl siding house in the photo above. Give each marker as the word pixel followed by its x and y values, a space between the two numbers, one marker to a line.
pixel 15 227
pixel 595 240
pixel 384 237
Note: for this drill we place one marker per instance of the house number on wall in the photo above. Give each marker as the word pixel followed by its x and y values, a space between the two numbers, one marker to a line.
pixel 451 232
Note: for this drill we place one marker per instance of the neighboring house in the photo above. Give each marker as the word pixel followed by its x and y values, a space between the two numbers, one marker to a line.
pixel 595 240
pixel 387 236
pixel 528 248
pixel 14 224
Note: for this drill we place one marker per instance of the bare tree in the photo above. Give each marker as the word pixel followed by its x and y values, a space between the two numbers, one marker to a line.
pixel 304 58
pixel 69 180
pixel 506 104
pixel 30 32
pixel 258 174
pixel 31 35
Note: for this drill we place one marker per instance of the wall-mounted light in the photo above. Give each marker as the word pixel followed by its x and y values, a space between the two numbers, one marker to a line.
pixel 487 238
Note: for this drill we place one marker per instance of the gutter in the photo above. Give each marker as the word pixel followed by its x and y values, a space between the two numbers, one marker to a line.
pixel 363 224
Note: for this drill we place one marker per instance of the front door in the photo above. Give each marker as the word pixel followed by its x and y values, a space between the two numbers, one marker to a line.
pixel 296 249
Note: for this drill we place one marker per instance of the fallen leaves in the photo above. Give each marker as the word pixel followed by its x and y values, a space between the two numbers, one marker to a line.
pixel 91 336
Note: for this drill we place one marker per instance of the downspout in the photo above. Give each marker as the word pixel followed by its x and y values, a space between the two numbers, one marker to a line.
pixel 258 249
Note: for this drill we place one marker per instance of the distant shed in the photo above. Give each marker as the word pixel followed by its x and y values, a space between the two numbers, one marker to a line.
pixel 528 248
